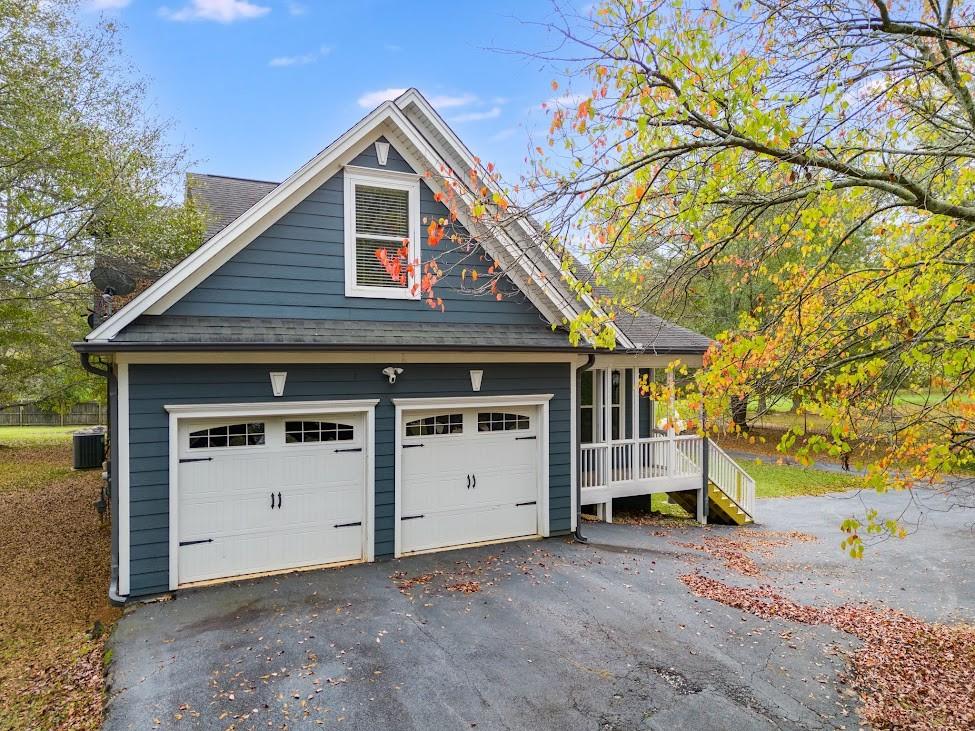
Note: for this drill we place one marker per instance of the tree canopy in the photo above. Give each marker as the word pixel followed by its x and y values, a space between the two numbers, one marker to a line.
pixel 84 173
pixel 797 175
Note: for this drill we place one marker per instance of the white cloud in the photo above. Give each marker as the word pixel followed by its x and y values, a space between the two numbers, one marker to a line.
pixel 492 113
pixel 300 60
pixel 221 11
pixel 374 98
pixel 445 101
pixel 97 5
pixel 566 100
pixel 393 48
pixel 297 9
pixel 505 134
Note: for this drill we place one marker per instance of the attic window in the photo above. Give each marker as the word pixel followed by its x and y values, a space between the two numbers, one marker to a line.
pixel 382 212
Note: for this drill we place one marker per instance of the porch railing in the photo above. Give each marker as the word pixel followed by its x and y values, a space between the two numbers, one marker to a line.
pixel 605 464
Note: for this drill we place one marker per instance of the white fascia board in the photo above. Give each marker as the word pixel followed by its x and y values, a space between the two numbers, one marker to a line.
pixel 270 408
pixel 437 402
pixel 412 96
pixel 202 262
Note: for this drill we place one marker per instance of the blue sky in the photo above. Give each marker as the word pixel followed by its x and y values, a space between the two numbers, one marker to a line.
pixel 256 87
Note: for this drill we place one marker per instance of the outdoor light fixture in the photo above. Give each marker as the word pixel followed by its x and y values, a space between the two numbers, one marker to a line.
pixel 277 382
pixel 382 152
pixel 391 372
pixel 476 380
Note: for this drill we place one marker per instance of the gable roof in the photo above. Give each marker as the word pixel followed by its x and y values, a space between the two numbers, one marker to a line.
pixel 238 210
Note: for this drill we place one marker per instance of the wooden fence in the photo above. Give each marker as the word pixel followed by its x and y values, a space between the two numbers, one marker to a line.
pixel 86 414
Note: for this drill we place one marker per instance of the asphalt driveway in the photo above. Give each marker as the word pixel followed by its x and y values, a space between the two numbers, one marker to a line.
pixel 534 635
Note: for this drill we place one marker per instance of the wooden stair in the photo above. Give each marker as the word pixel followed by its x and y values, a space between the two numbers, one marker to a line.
pixel 722 509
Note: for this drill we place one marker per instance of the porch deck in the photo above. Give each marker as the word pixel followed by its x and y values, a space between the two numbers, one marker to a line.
pixel 673 463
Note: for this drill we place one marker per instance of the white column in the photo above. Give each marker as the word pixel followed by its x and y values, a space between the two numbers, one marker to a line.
pixel 607 413
pixel 635 423
pixel 671 432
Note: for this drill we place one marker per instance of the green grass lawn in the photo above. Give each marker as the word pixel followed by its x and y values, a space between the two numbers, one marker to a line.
pixel 773 480
pixel 18 436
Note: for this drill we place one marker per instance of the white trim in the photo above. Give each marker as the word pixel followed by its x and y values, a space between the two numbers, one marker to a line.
pixel 573 442
pixel 467 402
pixel 381 179
pixel 277 408
pixel 122 466
pixel 402 405
pixel 433 118
pixel 270 408
pixel 377 357
pixel 646 360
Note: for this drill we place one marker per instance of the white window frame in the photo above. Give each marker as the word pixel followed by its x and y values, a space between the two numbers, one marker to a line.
pixel 382 179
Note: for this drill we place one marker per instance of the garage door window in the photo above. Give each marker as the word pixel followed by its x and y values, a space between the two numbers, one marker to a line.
pixel 499 421
pixel 303 432
pixel 436 425
pixel 228 435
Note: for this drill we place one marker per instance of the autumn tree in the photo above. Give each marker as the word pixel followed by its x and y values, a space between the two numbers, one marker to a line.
pixel 83 173
pixel 824 149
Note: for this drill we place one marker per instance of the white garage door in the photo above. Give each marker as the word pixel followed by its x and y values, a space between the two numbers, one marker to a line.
pixel 263 494
pixel 469 475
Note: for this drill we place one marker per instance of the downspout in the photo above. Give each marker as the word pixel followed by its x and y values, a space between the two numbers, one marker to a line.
pixel 105 373
pixel 579 538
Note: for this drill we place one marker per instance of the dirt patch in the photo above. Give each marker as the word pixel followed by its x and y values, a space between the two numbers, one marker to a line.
pixel 53 585
pixel 909 674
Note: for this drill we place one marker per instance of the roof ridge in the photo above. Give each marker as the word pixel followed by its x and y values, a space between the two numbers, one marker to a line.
pixel 231 177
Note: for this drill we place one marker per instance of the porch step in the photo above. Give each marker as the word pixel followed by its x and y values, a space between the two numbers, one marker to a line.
pixel 723 510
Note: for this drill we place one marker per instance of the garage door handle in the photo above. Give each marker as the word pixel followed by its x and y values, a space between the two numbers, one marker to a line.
pixel 347 525
pixel 518 439
pixel 475 481
pixel 530 502
pixel 193 543
pixel 411 517
pixel 272 501
pixel 468 482
pixel 351 449
pixel 279 499
pixel 410 446
pixel 196 459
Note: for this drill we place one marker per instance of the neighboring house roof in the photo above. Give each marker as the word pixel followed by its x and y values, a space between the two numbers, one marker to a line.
pixel 224 199
pixel 238 210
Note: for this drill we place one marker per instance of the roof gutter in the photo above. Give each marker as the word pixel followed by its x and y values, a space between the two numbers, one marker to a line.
pixel 579 537
pixel 157 347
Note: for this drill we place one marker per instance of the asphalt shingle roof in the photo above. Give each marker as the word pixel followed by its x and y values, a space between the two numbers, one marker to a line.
pixel 275 332
pixel 222 200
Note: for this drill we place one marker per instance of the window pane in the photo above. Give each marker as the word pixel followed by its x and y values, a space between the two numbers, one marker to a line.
pixel 586 390
pixel 238 428
pixel 292 438
pixel 585 426
pixel 198 442
pixel 219 441
pixel 382 211
pixel 238 440
pixel 292 426
pixel 255 439
pixel 369 271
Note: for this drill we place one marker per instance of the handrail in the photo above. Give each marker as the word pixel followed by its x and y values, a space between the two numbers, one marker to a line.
pixel 623 460
pixel 729 477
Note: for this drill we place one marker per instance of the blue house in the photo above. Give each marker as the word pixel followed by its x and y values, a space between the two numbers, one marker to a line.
pixel 279 402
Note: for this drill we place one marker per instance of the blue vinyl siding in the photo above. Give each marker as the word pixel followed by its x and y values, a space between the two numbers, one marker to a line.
pixel 296 269
pixel 151 387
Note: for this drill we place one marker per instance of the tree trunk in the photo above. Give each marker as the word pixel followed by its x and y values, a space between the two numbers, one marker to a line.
pixel 739 411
